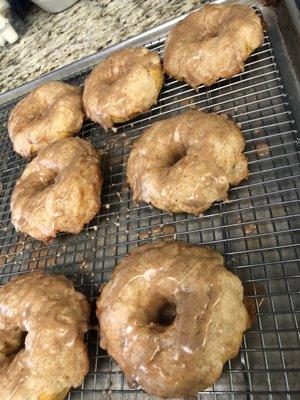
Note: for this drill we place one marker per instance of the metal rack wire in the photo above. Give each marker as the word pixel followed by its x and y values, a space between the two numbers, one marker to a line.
pixel 256 230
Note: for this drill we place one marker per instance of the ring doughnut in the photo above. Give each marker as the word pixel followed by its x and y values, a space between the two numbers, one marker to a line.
pixel 171 316
pixel 122 86
pixel 212 43
pixel 51 112
pixel 185 163
pixel 54 357
pixel 59 190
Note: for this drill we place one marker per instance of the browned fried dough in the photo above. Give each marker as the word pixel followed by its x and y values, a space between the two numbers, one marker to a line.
pixel 51 112
pixel 171 316
pixel 185 163
pixel 122 86
pixel 54 357
pixel 212 43
pixel 59 190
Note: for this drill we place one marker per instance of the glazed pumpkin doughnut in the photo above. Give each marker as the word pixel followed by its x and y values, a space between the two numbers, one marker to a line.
pixel 122 86
pixel 185 163
pixel 54 357
pixel 171 316
pixel 59 190
pixel 212 43
pixel 51 112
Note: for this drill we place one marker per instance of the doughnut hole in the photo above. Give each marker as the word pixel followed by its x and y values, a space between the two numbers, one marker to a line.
pixel 165 313
pixel 178 156
pixel 46 180
pixel 162 313
pixel 52 178
pixel 14 341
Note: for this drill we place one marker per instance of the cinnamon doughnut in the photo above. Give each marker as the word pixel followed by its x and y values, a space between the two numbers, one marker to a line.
pixel 185 163
pixel 171 316
pixel 212 43
pixel 122 86
pixel 51 112
pixel 54 357
pixel 59 190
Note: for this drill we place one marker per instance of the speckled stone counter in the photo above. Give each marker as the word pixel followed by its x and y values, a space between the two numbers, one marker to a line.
pixel 54 40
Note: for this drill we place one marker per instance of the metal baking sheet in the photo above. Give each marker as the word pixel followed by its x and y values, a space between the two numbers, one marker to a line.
pixel 256 230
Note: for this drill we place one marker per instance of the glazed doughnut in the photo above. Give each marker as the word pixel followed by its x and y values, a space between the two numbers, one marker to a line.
pixel 59 190
pixel 212 43
pixel 51 112
pixel 122 86
pixel 54 357
pixel 171 316
pixel 185 163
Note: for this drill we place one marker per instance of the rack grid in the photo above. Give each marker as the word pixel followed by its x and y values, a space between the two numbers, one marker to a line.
pixel 256 229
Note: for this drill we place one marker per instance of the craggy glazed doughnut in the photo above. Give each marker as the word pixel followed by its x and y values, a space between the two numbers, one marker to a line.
pixel 171 316
pixel 185 163
pixel 54 357
pixel 122 86
pixel 51 112
pixel 212 43
pixel 59 190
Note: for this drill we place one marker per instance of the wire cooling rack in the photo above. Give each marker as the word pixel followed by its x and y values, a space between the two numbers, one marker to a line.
pixel 256 230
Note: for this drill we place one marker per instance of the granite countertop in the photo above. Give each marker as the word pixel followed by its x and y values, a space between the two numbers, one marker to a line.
pixel 54 40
